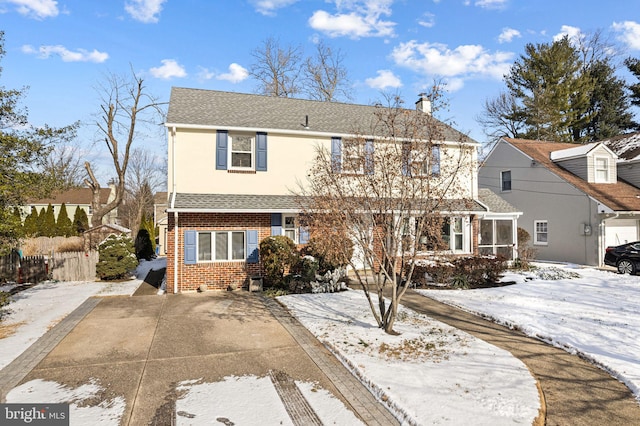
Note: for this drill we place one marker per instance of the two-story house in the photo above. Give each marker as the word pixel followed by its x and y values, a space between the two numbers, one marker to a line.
pixel 235 160
pixel 574 204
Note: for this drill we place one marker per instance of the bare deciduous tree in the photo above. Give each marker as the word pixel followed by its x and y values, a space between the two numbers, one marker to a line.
pixel 144 178
pixel 501 117
pixel 125 105
pixel 64 165
pixel 326 78
pixel 390 190
pixel 277 68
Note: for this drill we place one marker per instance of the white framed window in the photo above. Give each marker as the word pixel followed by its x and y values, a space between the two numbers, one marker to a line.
pixel 505 180
pixel 289 228
pixel 426 162
pixel 601 167
pixel 221 246
pixel 541 232
pixel 353 157
pixel 242 152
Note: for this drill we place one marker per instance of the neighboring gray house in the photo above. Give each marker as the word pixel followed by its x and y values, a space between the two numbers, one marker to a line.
pixel 573 201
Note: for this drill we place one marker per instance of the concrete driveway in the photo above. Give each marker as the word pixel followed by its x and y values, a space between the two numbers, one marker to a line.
pixel 140 348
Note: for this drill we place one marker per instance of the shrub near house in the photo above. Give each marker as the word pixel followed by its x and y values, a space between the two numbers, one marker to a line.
pixel 117 258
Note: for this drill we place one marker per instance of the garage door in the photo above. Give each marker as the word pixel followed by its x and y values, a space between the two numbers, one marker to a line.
pixel 620 231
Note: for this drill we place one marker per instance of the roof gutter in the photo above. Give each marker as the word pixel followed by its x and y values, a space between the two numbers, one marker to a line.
pixel 172 205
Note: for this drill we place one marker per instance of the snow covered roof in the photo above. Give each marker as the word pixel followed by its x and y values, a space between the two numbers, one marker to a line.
pixel 577 151
pixel 627 147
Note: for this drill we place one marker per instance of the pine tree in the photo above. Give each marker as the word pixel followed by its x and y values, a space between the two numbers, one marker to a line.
pixel 555 94
pixel 40 224
pixel 64 226
pixel 30 227
pixel 117 258
pixel 80 221
pixel 49 222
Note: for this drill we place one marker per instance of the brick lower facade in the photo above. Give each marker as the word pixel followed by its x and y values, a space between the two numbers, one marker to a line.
pixel 216 275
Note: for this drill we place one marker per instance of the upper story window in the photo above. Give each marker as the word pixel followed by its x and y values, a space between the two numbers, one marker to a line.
pixel 601 165
pixel 353 157
pixel 505 181
pixel 241 153
pixel 424 162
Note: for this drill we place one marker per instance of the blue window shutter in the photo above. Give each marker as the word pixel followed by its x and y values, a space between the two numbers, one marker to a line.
pixel 221 149
pixel 190 254
pixel 276 223
pixel 261 152
pixel 336 154
pixel 304 235
pixel 406 160
pixel 368 157
pixel 252 247
pixel 435 160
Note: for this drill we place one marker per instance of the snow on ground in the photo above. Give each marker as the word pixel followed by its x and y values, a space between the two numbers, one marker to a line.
pixel 36 310
pixel 596 314
pixel 431 373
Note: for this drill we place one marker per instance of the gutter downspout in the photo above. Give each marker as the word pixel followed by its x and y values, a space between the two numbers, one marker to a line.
pixel 173 204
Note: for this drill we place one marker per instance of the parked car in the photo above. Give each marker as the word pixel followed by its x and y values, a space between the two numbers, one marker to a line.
pixel 625 257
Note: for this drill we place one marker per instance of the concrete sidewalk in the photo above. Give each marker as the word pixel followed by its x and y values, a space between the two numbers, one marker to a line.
pixel 141 347
pixel 576 392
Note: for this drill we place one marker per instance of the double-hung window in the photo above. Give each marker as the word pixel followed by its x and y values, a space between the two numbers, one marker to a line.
pixel 353 157
pixel 289 228
pixel 425 161
pixel 241 154
pixel 221 246
pixel 541 232
pixel 505 181
pixel 601 169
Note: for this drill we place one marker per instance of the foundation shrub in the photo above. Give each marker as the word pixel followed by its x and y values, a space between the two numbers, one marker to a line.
pixel 461 272
pixel 116 258
pixel 279 256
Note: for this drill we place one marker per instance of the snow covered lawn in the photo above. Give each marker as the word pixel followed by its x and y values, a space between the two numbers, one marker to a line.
pixel 431 373
pixel 596 314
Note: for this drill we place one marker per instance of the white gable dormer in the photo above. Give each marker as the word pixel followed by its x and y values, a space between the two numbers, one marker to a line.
pixel 594 162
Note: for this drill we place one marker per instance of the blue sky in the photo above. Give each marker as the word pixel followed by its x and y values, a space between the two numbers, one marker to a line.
pixel 63 49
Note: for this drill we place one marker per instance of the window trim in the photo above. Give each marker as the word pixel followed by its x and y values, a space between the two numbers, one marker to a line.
pixel 348 158
pixel 535 232
pixel 503 181
pixel 295 227
pixel 606 169
pixel 425 164
pixel 230 152
pixel 229 258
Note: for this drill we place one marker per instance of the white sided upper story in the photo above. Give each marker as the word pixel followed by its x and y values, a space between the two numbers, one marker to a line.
pixel 234 143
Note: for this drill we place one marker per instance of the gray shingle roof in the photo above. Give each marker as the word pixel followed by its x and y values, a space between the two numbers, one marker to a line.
pixel 198 107
pixel 272 203
pixel 494 202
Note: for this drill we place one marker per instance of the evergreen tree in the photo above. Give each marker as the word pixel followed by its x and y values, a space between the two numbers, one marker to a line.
pixel 23 151
pixel 49 222
pixel 555 94
pixel 145 239
pixel 30 227
pixel 633 65
pixel 17 220
pixel 41 224
pixel 80 221
pixel 116 259
pixel 64 226
pixel 609 109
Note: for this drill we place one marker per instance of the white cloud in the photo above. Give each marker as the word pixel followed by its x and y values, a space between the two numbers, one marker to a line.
pixel 205 74
pixel 355 19
pixel 427 20
pixel 168 69
pixel 629 33
pixel 236 74
pixel 38 9
pixel 146 11
pixel 491 4
pixel 465 61
pixel 384 80
pixel 573 33
pixel 80 55
pixel 269 7
pixel 507 35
